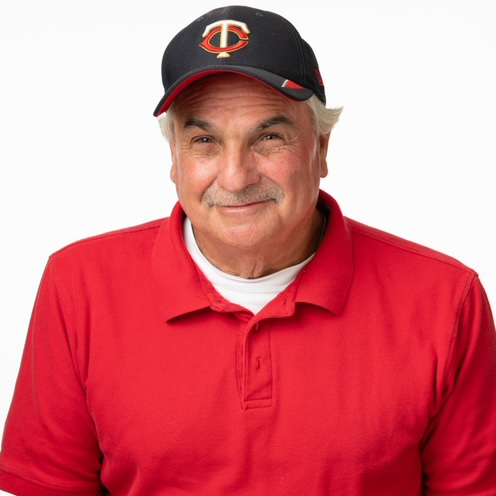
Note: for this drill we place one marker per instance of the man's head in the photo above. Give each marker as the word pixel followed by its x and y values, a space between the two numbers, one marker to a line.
pixel 248 144
pixel 247 164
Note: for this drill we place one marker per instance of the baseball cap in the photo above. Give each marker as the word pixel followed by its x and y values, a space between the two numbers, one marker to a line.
pixel 244 40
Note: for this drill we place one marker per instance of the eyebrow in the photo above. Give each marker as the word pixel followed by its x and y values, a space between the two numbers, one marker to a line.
pixel 274 121
pixel 194 122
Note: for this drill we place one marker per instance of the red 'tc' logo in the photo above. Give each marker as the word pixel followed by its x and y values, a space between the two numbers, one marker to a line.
pixel 223 28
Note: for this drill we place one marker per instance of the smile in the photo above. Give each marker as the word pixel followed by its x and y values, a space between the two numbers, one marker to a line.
pixel 245 207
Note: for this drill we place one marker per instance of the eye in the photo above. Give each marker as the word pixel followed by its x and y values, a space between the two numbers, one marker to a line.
pixel 269 137
pixel 203 139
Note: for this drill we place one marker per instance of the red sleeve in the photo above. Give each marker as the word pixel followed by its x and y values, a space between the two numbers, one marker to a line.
pixel 50 445
pixel 459 451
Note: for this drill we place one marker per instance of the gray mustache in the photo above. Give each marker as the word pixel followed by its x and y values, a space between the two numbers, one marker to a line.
pixel 253 193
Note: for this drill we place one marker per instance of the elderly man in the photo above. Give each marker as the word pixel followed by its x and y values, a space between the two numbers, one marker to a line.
pixel 256 342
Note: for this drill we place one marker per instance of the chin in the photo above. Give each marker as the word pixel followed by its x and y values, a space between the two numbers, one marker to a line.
pixel 246 238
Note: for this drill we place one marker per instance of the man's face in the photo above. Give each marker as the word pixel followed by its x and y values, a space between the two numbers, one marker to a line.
pixel 247 165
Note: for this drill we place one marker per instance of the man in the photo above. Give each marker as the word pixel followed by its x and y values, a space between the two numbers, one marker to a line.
pixel 257 342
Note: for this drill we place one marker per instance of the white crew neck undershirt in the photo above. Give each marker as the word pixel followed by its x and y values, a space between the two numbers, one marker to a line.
pixel 252 294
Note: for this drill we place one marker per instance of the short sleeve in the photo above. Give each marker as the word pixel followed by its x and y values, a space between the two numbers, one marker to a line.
pixel 459 450
pixel 50 445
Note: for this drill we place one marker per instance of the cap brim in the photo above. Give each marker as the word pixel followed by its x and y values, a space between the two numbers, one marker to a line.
pixel 278 83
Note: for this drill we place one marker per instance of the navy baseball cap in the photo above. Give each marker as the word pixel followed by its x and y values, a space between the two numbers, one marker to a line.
pixel 244 40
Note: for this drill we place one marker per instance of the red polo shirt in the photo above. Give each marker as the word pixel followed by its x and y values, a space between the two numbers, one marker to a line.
pixel 372 374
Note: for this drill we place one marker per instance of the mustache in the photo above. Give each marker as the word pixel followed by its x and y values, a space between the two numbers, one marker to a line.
pixel 253 193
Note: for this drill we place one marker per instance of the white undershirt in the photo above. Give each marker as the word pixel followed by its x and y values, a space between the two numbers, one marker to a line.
pixel 252 294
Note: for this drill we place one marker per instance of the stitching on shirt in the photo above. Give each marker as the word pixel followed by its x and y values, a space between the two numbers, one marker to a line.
pixel 154 224
pixel 239 353
pixel 410 249
pixel 469 283
pixel 71 357
pixel 69 360
pixel 271 362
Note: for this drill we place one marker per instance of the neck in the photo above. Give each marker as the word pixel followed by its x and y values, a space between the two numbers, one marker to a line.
pixel 251 263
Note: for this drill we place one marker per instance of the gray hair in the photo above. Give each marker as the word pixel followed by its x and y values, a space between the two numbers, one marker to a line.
pixel 323 118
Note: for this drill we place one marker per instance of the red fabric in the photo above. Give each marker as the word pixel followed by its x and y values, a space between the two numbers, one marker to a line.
pixel 372 374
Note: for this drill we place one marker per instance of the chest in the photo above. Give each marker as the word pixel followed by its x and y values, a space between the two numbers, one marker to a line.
pixel 345 399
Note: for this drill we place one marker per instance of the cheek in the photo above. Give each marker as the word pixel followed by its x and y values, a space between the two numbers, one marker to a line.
pixel 304 167
pixel 192 178
pixel 303 179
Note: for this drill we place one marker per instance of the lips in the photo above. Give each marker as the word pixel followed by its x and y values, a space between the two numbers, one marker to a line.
pixel 249 204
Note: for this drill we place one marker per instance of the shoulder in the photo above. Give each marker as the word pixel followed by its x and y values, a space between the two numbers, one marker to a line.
pixel 128 235
pixel 404 260
pixel 112 248
pixel 386 253
pixel 391 246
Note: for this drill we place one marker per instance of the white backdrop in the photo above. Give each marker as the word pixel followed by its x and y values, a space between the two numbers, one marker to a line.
pixel 80 152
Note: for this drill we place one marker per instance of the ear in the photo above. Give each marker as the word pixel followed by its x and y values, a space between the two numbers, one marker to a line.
pixel 173 170
pixel 323 146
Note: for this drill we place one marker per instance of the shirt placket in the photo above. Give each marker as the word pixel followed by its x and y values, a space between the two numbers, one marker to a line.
pixel 255 364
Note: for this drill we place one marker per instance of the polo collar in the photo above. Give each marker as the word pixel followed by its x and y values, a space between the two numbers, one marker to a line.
pixel 178 281
pixel 326 280
pixel 183 289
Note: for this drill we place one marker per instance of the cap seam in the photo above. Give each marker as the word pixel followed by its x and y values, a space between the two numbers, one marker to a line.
pixel 298 40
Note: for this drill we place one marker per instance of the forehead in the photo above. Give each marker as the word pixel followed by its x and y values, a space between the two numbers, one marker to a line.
pixel 221 93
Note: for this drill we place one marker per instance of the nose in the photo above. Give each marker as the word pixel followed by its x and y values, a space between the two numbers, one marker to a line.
pixel 237 169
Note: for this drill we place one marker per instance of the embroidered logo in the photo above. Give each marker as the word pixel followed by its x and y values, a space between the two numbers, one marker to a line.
pixel 223 50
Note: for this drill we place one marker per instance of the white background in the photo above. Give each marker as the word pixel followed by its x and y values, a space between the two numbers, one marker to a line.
pixel 80 152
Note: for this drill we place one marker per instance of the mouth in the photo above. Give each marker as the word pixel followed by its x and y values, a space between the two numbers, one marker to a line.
pixel 243 208
pixel 242 205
